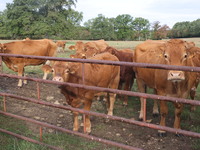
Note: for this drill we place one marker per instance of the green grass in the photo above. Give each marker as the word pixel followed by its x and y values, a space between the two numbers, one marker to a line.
pixel 57 139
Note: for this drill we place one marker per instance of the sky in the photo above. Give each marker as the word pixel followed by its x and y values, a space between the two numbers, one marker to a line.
pixel 166 12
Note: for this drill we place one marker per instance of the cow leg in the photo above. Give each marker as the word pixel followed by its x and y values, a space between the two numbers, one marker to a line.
pixel 163 112
pixel 178 110
pixel 127 87
pixel 25 81
pixel 192 95
pixel 155 108
pixel 111 103
pixel 120 88
pixel 111 97
pixel 87 106
pixel 76 123
pixel 20 73
pixel 141 88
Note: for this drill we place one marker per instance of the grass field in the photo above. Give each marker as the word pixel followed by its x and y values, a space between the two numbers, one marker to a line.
pixel 72 142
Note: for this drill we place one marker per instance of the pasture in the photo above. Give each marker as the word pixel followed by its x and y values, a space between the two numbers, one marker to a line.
pixel 133 135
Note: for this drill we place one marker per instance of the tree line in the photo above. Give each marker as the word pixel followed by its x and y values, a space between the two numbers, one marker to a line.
pixel 56 19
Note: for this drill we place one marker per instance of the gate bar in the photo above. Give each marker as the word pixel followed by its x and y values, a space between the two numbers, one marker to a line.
pixel 28 139
pixel 139 123
pixel 72 132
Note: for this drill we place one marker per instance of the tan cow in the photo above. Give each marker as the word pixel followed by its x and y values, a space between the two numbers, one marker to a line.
pixel 61 46
pixel 165 82
pixel 95 75
pixel 195 54
pixel 43 47
pixel 81 48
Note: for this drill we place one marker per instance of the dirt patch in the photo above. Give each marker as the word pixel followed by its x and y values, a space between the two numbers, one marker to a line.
pixel 132 135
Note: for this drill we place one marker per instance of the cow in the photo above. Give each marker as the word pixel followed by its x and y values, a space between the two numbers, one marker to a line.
pixel 81 47
pixel 127 75
pixel 195 54
pixel 43 47
pixel 87 53
pixel 171 83
pixel 61 46
pixel 94 75
pixel 26 39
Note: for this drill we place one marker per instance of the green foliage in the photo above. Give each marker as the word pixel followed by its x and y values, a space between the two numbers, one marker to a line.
pixel 141 27
pixel 41 19
pixel 56 19
pixel 123 27
pixel 101 28
pixel 186 29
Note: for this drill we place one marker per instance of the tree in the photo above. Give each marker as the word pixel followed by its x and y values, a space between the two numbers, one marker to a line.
pixel 181 29
pixel 124 27
pixel 101 28
pixel 159 32
pixel 42 18
pixel 141 28
pixel 3 20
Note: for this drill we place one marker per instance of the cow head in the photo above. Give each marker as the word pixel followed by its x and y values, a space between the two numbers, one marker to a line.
pixel 62 70
pixel 110 50
pixel 90 51
pixel 175 52
pixel 2 48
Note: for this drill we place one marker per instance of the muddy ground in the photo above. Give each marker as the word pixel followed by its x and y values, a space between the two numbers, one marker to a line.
pixel 133 135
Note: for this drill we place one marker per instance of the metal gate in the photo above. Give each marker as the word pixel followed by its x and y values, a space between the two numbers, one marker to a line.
pixel 130 93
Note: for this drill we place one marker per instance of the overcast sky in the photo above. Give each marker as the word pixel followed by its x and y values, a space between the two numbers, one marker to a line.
pixel 165 11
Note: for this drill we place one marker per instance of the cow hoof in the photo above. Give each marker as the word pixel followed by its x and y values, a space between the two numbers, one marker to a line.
pixel 125 104
pixel 88 130
pixel 162 134
pixel 155 115
pixel 107 120
pixel 140 119
pixel 178 135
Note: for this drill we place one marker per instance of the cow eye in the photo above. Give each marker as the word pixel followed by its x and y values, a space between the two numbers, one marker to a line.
pixel 185 56
pixel 67 71
pixel 52 70
pixel 165 55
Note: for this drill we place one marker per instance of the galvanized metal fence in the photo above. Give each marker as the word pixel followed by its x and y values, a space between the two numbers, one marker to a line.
pixel 130 93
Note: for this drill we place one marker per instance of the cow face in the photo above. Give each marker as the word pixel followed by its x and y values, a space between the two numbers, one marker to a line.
pixel 90 51
pixel 61 71
pixel 175 53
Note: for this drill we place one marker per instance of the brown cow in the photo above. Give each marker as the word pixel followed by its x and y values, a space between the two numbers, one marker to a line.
pixel 81 47
pixel 94 75
pixel 195 54
pixel 127 74
pixel 61 46
pixel 165 82
pixel 28 47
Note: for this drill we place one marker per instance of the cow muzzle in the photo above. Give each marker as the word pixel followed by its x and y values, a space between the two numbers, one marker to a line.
pixel 57 78
pixel 176 76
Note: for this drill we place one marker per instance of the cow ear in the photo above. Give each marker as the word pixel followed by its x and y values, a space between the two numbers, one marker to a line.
pixel 162 48
pixel 72 47
pixel 189 45
pixel 73 68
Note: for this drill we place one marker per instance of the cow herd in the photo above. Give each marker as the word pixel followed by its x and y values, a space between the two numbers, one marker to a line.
pixel 173 83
